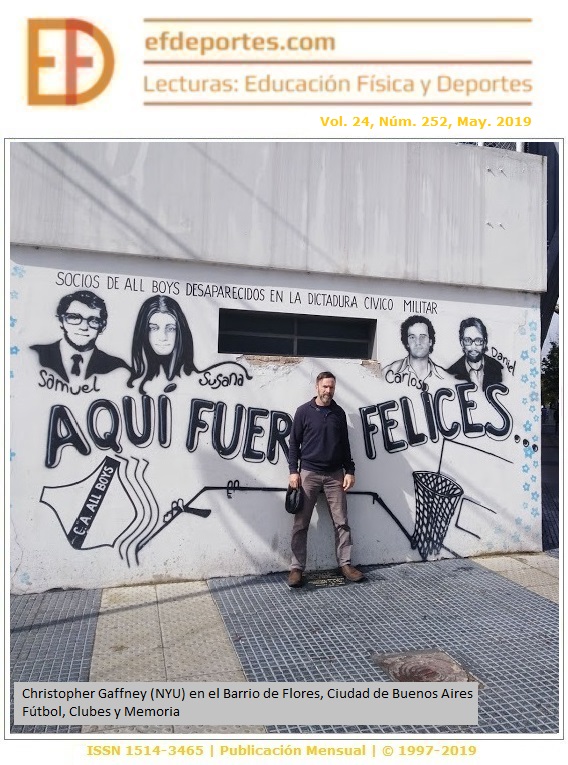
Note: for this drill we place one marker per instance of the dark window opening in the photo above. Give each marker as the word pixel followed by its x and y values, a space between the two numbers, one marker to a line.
pixel 284 334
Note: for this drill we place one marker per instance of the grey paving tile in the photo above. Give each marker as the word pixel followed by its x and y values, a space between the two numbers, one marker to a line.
pixel 180 636
pixel 551 593
pixel 51 640
pixel 550 517
pixel 541 562
pixel 235 730
pixel 128 642
pixel 501 563
pixel 108 730
pixel 196 644
pixel 531 577
pixel 477 616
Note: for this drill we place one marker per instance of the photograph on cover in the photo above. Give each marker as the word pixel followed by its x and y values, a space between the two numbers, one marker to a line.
pixel 278 416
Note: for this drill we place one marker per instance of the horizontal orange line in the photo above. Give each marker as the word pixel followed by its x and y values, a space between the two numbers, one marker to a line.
pixel 512 20
pixel 311 62
pixel 338 103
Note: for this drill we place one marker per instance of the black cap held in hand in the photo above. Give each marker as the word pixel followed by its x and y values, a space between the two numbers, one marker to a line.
pixel 293 500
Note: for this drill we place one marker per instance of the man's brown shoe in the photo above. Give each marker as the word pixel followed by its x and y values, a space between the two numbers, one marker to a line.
pixel 295 578
pixel 352 574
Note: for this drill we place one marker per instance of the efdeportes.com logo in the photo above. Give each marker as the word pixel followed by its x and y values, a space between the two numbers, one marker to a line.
pixel 70 62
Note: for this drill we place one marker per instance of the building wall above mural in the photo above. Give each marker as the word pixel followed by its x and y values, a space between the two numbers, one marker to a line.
pixel 428 212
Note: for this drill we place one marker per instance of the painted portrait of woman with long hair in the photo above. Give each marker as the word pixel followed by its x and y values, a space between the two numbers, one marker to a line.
pixel 162 343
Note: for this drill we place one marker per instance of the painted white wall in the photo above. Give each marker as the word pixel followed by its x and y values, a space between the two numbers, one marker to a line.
pixel 430 212
pixel 59 541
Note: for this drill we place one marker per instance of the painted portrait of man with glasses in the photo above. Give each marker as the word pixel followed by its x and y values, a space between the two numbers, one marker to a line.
pixel 475 365
pixel 75 357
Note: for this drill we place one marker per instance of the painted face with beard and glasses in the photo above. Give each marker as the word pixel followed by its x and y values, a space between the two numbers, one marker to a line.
pixel 473 345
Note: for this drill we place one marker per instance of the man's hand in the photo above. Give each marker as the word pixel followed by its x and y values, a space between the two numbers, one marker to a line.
pixel 294 480
pixel 348 481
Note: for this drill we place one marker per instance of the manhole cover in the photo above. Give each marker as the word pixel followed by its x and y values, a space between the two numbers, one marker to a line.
pixel 423 667
pixel 325 579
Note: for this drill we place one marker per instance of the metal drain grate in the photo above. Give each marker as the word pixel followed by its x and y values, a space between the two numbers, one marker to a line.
pixel 423 667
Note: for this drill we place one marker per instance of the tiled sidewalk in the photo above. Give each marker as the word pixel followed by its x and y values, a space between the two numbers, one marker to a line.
pixel 497 616
pixel 180 637
pixel 537 572
pixel 501 632
pixel 52 636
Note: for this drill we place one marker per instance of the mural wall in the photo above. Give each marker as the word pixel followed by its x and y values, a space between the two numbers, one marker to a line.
pixel 140 453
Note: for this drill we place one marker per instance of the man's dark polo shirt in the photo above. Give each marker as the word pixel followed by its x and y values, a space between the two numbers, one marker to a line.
pixel 319 439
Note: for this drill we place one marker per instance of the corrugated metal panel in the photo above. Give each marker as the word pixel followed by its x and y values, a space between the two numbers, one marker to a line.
pixel 431 212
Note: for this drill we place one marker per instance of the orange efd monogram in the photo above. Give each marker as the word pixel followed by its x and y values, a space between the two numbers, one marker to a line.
pixel 67 93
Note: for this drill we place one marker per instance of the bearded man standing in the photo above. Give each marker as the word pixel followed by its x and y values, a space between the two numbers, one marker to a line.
pixel 319 445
